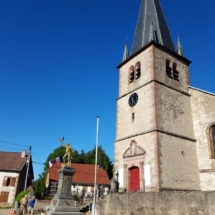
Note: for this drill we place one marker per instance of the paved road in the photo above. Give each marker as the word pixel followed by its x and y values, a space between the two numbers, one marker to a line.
pixel 7 212
pixel 4 211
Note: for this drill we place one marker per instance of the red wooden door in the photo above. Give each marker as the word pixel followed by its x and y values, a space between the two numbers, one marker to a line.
pixel 134 179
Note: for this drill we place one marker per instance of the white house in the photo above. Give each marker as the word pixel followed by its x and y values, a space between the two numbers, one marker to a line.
pixel 13 170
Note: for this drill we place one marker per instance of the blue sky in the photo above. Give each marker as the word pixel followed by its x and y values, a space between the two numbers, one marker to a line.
pixel 58 63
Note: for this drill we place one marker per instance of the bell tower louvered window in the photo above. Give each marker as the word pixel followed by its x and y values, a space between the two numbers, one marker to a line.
pixel 138 70
pixel 175 71
pixel 168 68
pixel 131 75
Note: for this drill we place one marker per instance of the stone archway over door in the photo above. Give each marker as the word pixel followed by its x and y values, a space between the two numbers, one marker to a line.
pixel 134 179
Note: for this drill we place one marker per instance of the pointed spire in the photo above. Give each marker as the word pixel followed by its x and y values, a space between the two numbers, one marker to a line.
pixel 179 49
pixel 125 54
pixel 151 10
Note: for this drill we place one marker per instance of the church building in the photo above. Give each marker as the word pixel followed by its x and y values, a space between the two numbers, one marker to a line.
pixel 165 129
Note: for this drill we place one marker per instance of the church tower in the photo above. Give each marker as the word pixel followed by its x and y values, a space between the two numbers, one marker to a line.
pixel 155 147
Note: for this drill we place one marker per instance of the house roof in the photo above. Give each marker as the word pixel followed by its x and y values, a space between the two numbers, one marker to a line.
pixel 12 161
pixel 84 174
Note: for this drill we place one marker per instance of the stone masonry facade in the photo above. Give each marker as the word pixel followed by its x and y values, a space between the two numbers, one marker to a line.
pixel 163 126
pixel 166 202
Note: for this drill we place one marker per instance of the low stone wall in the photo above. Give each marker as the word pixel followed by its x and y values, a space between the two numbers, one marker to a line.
pixel 161 203
pixel 41 204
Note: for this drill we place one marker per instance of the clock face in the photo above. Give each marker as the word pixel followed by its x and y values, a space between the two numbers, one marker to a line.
pixel 133 99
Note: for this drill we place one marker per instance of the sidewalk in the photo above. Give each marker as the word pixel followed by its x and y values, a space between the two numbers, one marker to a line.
pixel 4 211
pixel 7 212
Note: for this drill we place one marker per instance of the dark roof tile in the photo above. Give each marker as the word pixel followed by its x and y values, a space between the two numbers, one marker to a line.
pixel 151 12
pixel 11 161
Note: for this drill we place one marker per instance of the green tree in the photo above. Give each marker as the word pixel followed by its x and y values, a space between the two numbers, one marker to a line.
pixel 39 185
pixel 82 157
pixel 102 160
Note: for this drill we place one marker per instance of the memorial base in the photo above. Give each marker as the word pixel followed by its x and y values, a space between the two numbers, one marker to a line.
pixel 63 202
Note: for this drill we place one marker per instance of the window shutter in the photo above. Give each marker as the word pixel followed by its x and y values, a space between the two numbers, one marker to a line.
pixel 4 196
pixel 12 182
pixel 5 181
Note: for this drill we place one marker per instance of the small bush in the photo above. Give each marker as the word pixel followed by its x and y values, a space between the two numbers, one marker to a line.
pixel 20 196
pixel 48 198
pixel 75 197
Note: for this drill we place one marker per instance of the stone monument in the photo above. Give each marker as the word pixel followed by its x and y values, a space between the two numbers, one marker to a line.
pixel 63 202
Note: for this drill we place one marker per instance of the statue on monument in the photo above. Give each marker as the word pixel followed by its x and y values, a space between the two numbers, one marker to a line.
pixel 67 158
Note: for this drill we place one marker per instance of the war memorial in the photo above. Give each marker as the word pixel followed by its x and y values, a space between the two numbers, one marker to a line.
pixel 63 202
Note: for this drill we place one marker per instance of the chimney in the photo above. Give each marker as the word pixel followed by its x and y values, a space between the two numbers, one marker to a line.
pixel 23 154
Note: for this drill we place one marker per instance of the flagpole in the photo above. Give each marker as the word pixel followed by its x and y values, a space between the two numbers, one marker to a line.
pixel 97 134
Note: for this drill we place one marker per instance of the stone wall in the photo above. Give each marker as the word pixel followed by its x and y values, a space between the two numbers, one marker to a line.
pixel 203 112
pixel 161 203
pixel 178 164
pixel 41 204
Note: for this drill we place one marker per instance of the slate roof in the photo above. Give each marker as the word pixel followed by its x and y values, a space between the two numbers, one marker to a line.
pixel 84 174
pixel 11 161
pixel 151 12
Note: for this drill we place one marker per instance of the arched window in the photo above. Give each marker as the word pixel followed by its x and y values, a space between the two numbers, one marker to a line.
pixel 175 71
pixel 137 70
pixel 212 140
pixel 131 74
pixel 168 68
